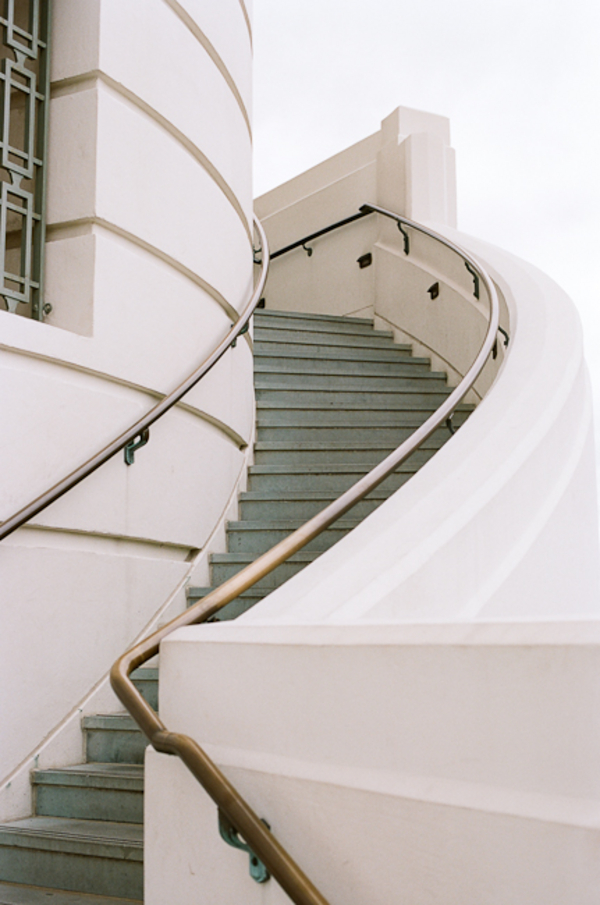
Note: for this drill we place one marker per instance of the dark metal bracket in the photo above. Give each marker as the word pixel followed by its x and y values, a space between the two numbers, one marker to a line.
pixel 307 249
pixel 506 342
pixel 449 424
pixel 255 255
pixel 129 450
pixel 230 835
pixel 365 260
pixel 434 291
pixel 475 276
pixel 244 329
pixel 406 238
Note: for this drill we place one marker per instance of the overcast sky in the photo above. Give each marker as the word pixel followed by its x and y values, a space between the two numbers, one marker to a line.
pixel 519 80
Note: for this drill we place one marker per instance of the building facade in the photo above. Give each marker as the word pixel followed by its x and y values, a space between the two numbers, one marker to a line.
pixel 415 711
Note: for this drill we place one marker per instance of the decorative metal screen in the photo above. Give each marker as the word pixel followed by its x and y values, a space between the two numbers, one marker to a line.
pixel 24 89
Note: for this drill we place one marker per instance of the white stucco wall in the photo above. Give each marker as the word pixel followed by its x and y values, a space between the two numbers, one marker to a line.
pixel 421 763
pixel 149 257
pixel 408 167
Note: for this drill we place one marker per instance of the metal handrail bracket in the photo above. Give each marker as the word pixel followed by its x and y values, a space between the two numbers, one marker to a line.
pixel 141 427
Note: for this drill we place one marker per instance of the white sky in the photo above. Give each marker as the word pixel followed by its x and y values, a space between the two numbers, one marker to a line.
pixel 519 80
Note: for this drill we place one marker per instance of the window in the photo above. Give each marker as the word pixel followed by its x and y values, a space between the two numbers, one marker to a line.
pixel 24 89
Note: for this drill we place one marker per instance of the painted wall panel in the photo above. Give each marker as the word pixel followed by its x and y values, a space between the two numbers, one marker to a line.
pixel 226 28
pixel 67 634
pixel 150 52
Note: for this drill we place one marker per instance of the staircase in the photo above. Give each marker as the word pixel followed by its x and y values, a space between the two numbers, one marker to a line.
pixel 334 397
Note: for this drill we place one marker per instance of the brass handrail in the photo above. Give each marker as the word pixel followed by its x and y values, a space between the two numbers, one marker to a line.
pixel 264 845
pixel 143 424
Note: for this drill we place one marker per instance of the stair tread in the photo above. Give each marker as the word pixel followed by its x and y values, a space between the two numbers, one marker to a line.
pixel 75 835
pixel 324 327
pixel 117 776
pixel 402 405
pixel 301 556
pixel 397 352
pixel 351 467
pixel 147 673
pixel 267 338
pixel 19 894
pixel 302 495
pixel 300 315
pixel 295 364
pixel 289 524
pixel 120 721
pixel 330 445
pixel 251 592
pixel 327 388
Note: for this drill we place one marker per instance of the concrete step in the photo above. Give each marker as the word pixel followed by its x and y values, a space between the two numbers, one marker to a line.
pixel 300 339
pixel 313 323
pixel 18 894
pixel 146 681
pixel 409 367
pixel 294 316
pixel 335 478
pixel 323 398
pixel 234 609
pixel 113 738
pixel 340 437
pixel 426 382
pixel 112 792
pixel 306 330
pixel 390 436
pixel 272 414
pixel 87 856
pixel 256 537
pixel 336 482
pixel 224 565
pixel 301 505
pixel 355 410
pixel 273 352
pixel 330 453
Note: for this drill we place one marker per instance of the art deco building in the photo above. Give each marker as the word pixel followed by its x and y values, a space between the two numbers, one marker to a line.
pixel 415 711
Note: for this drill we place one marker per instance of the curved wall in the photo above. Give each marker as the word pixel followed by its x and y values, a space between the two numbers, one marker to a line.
pixel 149 259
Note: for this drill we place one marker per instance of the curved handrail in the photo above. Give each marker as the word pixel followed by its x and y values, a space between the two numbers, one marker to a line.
pixel 264 845
pixel 146 421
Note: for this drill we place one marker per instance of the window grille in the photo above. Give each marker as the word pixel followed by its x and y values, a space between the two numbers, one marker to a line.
pixel 24 98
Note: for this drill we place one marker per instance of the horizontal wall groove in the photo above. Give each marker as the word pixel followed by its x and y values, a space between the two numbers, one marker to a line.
pixel 215 422
pixel 197 32
pixel 70 228
pixel 88 80
pixel 87 540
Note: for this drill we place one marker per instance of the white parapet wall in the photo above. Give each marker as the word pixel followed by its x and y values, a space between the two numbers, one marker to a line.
pixel 148 261
pixel 440 763
pixel 416 713
pixel 408 167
